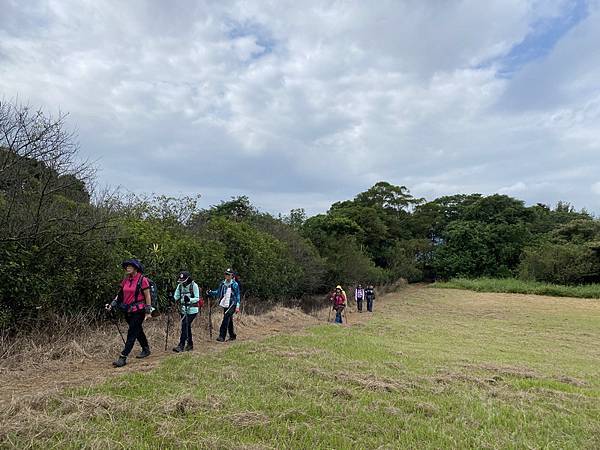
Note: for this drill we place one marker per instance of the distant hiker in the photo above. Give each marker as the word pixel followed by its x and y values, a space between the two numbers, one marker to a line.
pixel 359 294
pixel 370 296
pixel 135 301
pixel 338 300
pixel 228 294
pixel 188 296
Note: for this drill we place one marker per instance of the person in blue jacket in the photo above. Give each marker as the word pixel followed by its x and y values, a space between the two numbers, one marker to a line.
pixel 228 294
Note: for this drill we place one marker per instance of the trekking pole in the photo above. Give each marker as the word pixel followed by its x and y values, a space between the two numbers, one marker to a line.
pixel 346 315
pixel 185 316
pixel 115 320
pixel 242 309
pixel 208 297
pixel 168 313
pixel 329 315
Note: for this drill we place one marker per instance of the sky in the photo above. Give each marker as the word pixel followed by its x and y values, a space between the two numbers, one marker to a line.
pixel 301 104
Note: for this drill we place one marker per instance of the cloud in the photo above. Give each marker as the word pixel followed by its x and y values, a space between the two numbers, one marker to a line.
pixel 300 107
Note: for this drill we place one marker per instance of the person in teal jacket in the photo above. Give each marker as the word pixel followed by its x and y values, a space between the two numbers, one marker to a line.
pixel 228 294
pixel 187 295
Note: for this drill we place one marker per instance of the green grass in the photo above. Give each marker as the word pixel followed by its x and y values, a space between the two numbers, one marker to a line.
pixel 432 369
pixel 516 286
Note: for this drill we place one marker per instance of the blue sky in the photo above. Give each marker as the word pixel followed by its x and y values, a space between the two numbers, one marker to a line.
pixel 543 35
pixel 303 106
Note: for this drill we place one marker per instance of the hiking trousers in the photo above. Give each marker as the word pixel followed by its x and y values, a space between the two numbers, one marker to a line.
pixel 338 314
pixel 186 330
pixel 227 324
pixel 359 303
pixel 370 304
pixel 135 331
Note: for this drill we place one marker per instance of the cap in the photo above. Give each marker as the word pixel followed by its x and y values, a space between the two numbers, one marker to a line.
pixel 183 276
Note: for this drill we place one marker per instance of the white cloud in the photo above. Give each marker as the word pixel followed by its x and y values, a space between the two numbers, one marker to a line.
pixel 309 105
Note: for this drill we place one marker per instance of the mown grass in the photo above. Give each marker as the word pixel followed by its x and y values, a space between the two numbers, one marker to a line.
pixel 516 286
pixel 432 369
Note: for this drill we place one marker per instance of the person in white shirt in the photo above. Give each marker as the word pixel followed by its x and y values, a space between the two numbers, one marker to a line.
pixel 359 295
pixel 228 294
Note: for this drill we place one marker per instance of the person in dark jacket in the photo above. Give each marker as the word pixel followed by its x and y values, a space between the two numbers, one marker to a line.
pixel 370 297
pixel 228 294
pixel 134 300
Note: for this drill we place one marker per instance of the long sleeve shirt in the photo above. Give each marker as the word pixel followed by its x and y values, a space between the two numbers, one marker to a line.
pixel 193 292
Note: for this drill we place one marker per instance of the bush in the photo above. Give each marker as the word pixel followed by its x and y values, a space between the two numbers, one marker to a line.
pixel 559 263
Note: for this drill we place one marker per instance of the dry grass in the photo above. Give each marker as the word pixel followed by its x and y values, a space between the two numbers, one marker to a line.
pixel 439 369
pixel 78 352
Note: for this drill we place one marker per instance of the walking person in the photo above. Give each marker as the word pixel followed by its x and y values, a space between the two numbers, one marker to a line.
pixel 370 296
pixel 135 301
pixel 228 294
pixel 359 294
pixel 188 296
pixel 338 300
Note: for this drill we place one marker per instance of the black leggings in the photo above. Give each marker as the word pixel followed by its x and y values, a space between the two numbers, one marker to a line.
pixel 186 329
pixel 136 331
pixel 227 324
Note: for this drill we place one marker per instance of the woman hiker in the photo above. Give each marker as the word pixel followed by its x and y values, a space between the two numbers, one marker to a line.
pixel 134 300
pixel 188 296
pixel 338 300
pixel 228 294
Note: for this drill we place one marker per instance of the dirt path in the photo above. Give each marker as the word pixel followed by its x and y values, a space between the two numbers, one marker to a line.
pixel 83 364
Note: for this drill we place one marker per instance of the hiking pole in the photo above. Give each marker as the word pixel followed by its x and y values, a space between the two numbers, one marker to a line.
pixel 208 297
pixel 186 306
pixel 114 320
pixel 168 312
pixel 329 315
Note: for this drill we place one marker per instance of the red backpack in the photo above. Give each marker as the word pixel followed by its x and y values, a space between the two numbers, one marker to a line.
pixel 338 299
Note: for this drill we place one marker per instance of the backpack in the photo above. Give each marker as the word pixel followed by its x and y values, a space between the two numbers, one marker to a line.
pixel 200 303
pixel 153 292
pixel 338 299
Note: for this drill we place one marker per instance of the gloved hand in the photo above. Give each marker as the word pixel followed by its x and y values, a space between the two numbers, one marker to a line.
pixel 111 306
pixel 186 299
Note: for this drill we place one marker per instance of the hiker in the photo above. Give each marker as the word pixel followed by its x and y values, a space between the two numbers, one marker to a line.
pixel 228 294
pixel 187 294
pixel 338 300
pixel 370 296
pixel 359 294
pixel 134 300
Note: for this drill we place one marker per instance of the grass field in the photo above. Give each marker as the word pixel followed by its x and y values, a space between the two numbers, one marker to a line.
pixel 515 286
pixel 433 368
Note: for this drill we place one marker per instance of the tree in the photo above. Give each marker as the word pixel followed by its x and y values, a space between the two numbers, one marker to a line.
pixel 387 196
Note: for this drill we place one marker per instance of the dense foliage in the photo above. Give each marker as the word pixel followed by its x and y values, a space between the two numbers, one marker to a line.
pixel 61 244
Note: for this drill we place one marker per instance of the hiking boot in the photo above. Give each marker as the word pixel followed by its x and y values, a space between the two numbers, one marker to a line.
pixel 232 338
pixel 189 348
pixel 178 349
pixel 144 353
pixel 120 362
pixel 220 339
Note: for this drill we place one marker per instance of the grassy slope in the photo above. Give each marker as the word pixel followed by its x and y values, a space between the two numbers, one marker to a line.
pixel 515 286
pixel 446 368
